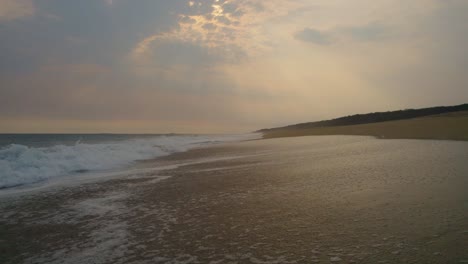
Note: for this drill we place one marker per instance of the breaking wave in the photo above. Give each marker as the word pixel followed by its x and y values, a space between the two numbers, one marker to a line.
pixel 20 164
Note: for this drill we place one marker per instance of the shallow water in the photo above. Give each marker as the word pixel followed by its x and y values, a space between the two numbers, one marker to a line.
pixel 334 199
pixel 32 159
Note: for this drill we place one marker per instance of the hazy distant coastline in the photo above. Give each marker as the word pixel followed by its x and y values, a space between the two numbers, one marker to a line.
pixel 446 123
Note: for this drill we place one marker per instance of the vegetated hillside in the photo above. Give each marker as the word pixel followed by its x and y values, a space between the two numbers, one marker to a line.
pixel 375 117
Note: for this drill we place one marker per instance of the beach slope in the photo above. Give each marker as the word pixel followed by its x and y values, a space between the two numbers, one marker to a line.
pixel 452 126
pixel 325 199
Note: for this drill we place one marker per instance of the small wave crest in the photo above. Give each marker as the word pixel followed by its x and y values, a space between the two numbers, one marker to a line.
pixel 20 165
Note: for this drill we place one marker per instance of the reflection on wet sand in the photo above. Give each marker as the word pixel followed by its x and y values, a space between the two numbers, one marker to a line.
pixel 331 199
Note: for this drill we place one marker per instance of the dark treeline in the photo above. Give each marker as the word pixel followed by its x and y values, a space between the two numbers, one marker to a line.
pixel 376 117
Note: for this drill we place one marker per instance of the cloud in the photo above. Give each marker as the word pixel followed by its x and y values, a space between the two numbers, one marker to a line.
pixel 169 53
pixel 370 32
pixel 362 33
pixel 15 9
pixel 82 70
pixel 432 70
pixel 86 94
pixel 234 29
pixel 314 36
pixel 173 65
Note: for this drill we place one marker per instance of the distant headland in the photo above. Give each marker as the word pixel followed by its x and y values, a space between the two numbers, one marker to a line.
pixel 442 122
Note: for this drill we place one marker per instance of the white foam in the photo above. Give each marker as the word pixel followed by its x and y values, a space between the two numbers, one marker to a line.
pixel 107 238
pixel 335 259
pixel 20 165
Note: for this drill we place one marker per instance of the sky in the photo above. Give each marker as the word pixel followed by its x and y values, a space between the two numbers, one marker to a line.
pixel 223 66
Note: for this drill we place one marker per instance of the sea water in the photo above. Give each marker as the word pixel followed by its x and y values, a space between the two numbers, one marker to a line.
pixel 34 158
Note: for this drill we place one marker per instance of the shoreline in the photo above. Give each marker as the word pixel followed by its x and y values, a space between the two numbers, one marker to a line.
pixel 135 166
pixel 332 199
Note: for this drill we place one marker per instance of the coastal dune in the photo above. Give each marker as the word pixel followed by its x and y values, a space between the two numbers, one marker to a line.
pixel 453 126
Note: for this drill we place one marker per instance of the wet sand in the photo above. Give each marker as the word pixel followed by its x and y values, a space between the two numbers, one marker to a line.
pixel 332 199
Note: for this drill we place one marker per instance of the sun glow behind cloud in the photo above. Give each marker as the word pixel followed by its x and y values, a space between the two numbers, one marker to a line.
pixel 257 51
pixel 230 64
pixel 233 28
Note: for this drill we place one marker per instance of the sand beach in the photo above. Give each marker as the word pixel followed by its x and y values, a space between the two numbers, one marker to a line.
pixel 325 199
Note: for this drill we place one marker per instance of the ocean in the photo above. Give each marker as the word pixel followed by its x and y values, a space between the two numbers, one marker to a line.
pixel 27 159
